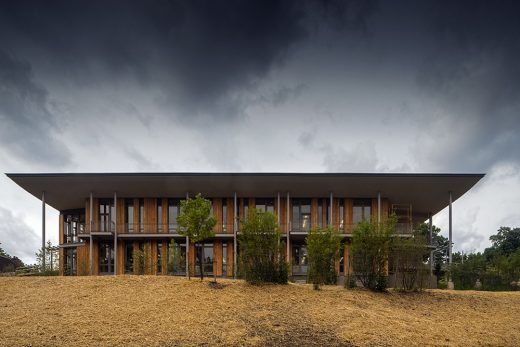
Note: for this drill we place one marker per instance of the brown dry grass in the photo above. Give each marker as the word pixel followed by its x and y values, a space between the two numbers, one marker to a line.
pixel 167 311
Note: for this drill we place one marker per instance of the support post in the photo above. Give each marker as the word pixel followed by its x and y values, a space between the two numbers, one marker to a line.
pixel 330 213
pixel 430 229
pixel 378 207
pixel 188 248
pixel 43 231
pixel 278 209
pixel 288 228
pixel 91 250
pixel 450 282
pixel 115 233
pixel 235 227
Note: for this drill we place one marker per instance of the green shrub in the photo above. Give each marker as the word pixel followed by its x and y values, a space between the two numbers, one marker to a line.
pixel 261 251
pixel 323 246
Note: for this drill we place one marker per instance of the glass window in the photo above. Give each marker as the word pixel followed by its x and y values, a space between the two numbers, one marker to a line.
pixel 141 215
pixel 129 218
pixel 206 258
pixel 174 209
pixel 129 257
pixel 265 205
pixel 176 258
pixel 106 210
pixel 159 215
pixel 320 213
pixel 246 209
pixel 301 219
pixel 159 257
pixel 70 262
pixel 224 259
pixel 224 215
pixel 106 257
pixel 361 210
pixel 73 224
pixel 341 214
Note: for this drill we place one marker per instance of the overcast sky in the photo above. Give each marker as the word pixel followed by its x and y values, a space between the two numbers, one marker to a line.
pixel 273 86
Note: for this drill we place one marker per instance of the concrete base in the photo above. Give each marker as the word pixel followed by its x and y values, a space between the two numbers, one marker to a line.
pixel 451 286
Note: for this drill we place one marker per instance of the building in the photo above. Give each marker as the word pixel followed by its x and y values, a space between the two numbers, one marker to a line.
pixel 106 217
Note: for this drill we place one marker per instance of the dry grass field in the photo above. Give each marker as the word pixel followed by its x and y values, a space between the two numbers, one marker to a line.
pixel 166 311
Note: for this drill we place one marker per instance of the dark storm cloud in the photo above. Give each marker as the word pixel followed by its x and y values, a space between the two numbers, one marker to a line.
pixel 472 69
pixel 201 54
pixel 27 126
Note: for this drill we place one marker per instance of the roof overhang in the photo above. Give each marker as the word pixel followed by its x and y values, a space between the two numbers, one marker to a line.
pixel 426 192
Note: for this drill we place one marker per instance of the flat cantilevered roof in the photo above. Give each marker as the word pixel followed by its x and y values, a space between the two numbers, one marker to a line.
pixel 426 192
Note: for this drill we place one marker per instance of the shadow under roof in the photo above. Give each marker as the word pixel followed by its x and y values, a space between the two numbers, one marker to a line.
pixel 426 192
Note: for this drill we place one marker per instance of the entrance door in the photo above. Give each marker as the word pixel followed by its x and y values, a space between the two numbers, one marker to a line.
pixel 299 259
pixel 106 258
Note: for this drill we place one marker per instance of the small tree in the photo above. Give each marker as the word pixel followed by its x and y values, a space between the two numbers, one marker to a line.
pixel 138 261
pixel 371 244
pixel 409 255
pixel 323 246
pixel 176 260
pixel 52 260
pixel 196 222
pixel 261 252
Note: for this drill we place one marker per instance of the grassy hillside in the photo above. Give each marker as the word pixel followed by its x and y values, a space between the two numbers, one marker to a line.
pixel 166 311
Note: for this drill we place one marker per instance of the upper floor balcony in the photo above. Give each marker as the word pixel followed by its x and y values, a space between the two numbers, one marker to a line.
pixel 157 229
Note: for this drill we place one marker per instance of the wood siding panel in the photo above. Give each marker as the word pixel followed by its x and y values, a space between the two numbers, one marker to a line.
pixel 150 215
pixel 136 248
pixel 164 258
pixel 347 261
pixel 153 257
pixel 230 215
pixel 335 213
pixel 120 256
pixel 230 258
pixel 374 210
pixel 121 211
pixel 95 257
pixel 283 215
pixel 349 203
pixel 83 259
pixel 192 257
pixel 314 213
pixel 217 255
pixel 164 220
pixel 217 213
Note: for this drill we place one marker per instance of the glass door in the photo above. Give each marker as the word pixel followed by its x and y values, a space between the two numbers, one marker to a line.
pixel 106 258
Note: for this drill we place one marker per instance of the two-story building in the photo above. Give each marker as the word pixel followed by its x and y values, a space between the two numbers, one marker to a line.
pixel 106 217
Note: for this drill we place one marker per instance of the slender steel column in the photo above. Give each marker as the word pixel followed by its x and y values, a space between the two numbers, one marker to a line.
pixel 430 228
pixel 278 209
pixel 288 227
pixel 91 250
pixel 115 233
pixel 43 231
pixel 187 247
pixel 450 282
pixel 330 214
pixel 235 227
pixel 378 207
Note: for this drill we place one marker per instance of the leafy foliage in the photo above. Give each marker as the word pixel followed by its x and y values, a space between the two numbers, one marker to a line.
pixel 51 257
pixel 196 221
pixel 409 256
pixel 497 268
pixel 371 245
pixel 138 261
pixel 323 246
pixel 261 251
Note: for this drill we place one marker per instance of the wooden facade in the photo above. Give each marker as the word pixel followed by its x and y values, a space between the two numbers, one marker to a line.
pixel 155 223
